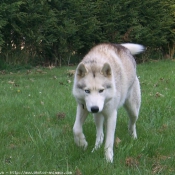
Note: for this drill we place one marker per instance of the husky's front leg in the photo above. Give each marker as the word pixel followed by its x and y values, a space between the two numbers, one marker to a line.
pixel 99 119
pixel 79 137
pixel 110 131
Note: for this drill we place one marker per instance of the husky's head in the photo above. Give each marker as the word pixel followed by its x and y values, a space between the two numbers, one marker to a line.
pixel 93 86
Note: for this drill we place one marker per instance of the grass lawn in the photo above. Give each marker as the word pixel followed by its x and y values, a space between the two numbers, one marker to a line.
pixel 37 113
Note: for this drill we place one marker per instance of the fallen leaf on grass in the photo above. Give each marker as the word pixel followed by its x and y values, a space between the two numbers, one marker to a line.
pixel 51 67
pixel 40 71
pixel 28 72
pixel 78 172
pixel 150 94
pixel 60 115
pixel 11 82
pixel 8 159
pixel 159 94
pixel 157 168
pixel 16 85
pixel 163 128
pixel 69 81
pixel 54 77
pixel 71 72
pixel 42 103
pixel 61 83
pixel 156 85
pixel 44 72
pixel 18 90
pixel 131 162
pixel 31 79
pixel 117 141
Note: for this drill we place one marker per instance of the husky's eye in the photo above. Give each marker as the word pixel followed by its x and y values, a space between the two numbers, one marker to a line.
pixel 87 91
pixel 101 90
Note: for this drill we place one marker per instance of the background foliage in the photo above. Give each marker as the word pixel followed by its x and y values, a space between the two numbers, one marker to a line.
pixel 56 31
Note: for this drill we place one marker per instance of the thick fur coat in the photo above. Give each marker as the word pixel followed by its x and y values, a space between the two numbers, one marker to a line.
pixel 104 81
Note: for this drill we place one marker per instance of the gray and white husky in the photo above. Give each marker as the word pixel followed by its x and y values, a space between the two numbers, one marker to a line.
pixel 104 81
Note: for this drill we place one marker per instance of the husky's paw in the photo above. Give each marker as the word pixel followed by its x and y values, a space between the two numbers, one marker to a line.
pixel 81 142
pixel 109 155
pixel 134 135
pixel 95 148
pixel 132 132
pixel 98 143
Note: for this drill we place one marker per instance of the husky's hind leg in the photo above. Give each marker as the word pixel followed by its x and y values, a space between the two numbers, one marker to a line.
pixel 132 106
pixel 99 119
pixel 79 137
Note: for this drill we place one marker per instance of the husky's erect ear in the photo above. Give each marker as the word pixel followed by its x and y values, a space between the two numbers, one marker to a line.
pixel 81 70
pixel 106 70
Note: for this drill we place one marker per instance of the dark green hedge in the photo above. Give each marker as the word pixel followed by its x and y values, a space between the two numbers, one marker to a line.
pixel 57 31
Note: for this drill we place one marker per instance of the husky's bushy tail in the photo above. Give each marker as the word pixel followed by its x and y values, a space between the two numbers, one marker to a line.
pixel 134 48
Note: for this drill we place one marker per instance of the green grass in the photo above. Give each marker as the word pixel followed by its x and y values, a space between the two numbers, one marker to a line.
pixel 38 110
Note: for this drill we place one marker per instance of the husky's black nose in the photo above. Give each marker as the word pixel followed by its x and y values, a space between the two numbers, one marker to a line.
pixel 94 109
